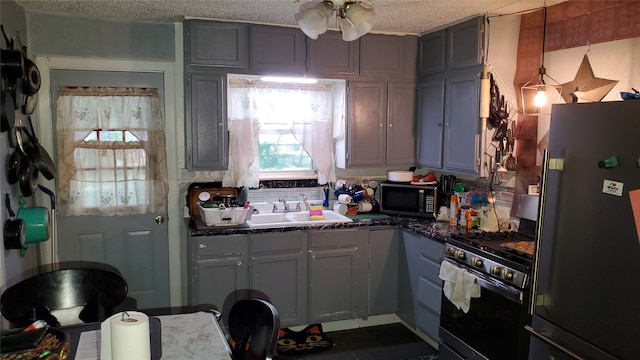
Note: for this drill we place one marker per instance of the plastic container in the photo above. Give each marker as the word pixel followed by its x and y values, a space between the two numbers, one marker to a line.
pixel 224 216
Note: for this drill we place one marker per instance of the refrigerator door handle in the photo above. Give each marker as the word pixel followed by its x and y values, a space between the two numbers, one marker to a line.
pixel 533 332
pixel 538 235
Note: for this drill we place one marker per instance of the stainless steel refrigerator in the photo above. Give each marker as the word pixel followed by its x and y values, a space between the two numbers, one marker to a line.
pixel 586 301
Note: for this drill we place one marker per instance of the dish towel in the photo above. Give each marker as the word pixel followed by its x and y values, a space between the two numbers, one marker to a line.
pixel 459 285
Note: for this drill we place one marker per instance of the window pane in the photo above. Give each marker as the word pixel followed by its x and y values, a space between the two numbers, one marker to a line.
pixel 282 152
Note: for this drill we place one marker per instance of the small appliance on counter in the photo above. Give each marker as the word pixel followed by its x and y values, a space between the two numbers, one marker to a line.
pixel 408 199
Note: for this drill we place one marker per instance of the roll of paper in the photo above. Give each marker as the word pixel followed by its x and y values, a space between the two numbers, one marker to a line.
pixel 130 336
pixel 485 94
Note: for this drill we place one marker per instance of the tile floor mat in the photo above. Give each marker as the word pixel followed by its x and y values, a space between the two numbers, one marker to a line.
pixel 384 342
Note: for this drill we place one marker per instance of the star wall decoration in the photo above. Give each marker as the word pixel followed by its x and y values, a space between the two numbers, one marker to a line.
pixel 585 87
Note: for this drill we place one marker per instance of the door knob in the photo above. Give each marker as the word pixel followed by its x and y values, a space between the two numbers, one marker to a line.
pixel 159 219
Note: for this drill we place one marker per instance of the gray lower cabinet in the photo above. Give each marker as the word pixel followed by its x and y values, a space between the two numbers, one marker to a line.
pixel 338 274
pixel 279 269
pixel 384 246
pixel 206 121
pixel 218 266
pixel 420 289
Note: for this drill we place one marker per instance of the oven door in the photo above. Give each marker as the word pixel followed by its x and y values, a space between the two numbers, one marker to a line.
pixel 494 326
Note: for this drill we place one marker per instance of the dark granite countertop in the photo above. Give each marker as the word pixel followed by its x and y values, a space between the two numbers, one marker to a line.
pixel 428 228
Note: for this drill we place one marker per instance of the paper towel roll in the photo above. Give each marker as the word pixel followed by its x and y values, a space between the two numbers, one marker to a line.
pixel 130 337
pixel 344 199
pixel 340 208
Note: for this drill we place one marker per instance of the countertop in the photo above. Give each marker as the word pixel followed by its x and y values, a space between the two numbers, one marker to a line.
pixel 429 228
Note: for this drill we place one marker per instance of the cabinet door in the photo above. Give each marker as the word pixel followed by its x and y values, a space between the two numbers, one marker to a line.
pixel 401 124
pixel 430 121
pixel 206 123
pixel 218 280
pixel 338 274
pixel 216 43
pixel 366 123
pixel 384 248
pixel 465 43
pixel 432 52
pixel 388 55
pixel 277 50
pixel 218 266
pixel 462 121
pixel 279 269
pixel 330 55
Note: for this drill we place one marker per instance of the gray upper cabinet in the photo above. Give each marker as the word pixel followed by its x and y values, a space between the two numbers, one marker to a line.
pixel 388 55
pixel 401 124
pixel 366 124
pixel 456 47
pixel 277 50
pixel 465 43
pixel 431 120
pixel 213 43
pixel 330 55
pixel 432 52
pixel 206 123
pixel 462 121
pixel 381 124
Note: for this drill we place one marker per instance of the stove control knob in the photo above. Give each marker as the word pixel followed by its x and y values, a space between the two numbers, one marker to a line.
pixel 507 274
pixel 451 251
pixel 460 254
pixel 477 262
pixel 495 270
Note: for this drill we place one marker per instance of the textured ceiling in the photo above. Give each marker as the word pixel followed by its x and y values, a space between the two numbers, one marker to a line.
pixel 392 16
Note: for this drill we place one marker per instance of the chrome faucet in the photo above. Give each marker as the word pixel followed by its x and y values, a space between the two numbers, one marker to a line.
pixel 284 202
pixel 304 200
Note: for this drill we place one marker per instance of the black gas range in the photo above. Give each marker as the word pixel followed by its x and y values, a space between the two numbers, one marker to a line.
pixel 493 326
pixel 506 256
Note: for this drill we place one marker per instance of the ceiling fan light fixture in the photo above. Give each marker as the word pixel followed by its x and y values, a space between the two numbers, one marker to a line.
pixel 361 18
pixel 315 21
pixel 353 19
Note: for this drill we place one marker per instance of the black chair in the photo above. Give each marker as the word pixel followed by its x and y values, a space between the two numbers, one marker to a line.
pixel 95 287
pixel 254 325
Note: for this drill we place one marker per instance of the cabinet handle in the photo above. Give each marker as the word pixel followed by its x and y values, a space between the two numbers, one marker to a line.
pixel 439 124
pixel 202 246
pixel 239 262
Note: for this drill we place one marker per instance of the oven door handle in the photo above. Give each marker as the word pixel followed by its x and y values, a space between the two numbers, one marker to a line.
pixel 493 286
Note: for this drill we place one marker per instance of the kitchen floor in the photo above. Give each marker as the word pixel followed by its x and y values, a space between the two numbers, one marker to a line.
pixel 383 342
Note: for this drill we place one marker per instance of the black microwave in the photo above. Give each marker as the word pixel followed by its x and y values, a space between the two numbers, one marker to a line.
pixel 408 199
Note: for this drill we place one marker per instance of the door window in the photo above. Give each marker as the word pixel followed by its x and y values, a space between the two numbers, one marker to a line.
pixel 111 151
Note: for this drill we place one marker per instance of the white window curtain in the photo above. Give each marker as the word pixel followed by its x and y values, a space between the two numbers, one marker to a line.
pixel 111 155
pixel 311 111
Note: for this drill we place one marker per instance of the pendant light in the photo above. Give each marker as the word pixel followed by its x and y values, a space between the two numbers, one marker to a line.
pixel 536 91
pixel 353 19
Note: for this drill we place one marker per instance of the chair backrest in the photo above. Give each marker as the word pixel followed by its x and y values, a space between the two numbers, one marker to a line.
pixel 87 287
pixel 256 322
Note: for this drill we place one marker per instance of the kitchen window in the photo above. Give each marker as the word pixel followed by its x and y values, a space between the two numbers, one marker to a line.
pixel 282 129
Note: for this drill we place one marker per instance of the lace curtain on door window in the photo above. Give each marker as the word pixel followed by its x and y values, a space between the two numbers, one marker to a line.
pixel 111 156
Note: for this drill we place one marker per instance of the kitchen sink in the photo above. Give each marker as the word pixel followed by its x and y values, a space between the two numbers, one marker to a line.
pixel 299 218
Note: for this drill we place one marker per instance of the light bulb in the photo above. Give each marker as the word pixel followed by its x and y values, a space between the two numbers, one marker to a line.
pixel 540 99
